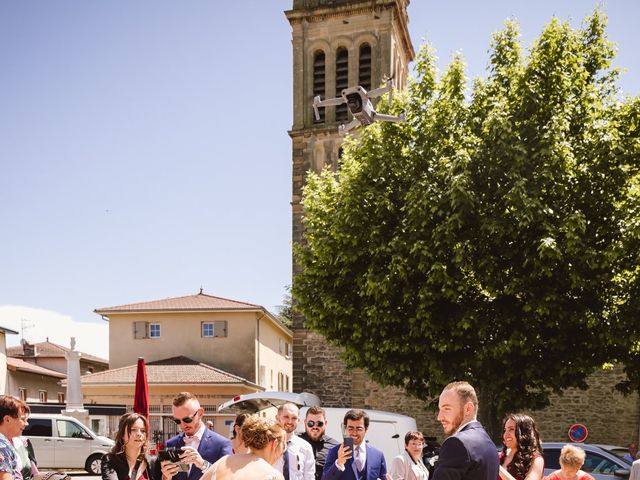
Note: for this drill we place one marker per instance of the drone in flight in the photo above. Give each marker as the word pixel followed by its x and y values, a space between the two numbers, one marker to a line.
pixel 358 102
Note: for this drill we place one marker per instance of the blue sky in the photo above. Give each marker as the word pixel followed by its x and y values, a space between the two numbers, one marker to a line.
pixel 144 150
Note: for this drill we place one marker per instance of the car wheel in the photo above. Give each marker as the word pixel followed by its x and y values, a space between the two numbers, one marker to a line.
pixel 93 464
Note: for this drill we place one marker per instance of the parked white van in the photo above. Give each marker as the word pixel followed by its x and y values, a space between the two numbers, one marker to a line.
pixel 386 430
pixel 62 443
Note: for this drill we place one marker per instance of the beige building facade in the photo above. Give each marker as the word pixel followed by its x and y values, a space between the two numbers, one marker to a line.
pixel 213 347
pixel 240 338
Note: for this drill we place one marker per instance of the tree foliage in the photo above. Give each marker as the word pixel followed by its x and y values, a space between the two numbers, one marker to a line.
pixel 285 310
pixel 494 236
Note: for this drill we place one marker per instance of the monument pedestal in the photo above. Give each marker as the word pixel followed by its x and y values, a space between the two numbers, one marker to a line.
pixel 73 399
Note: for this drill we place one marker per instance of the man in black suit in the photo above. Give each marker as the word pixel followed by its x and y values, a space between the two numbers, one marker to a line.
pixel 468 453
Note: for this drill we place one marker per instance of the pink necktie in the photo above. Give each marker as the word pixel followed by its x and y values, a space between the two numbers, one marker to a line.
pixel 191 441
pixel 358 458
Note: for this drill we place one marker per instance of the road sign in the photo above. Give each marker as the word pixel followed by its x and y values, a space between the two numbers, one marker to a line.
pixel 578 433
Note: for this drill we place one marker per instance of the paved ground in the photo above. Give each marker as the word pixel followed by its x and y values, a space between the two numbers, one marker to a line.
pixel 81 475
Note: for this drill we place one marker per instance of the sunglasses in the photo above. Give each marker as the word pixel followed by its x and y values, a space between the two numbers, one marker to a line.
pixel 185 419
pixel 312 424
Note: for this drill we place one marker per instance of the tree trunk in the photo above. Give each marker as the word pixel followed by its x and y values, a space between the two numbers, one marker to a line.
pixel 488 414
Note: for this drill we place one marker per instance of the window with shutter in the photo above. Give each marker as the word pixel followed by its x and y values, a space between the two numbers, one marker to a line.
pixel 154 330
pixel 140 330
pixel 342 82
pixel 319 81
pixel 364 67
pixel 207 329
pixel 220 328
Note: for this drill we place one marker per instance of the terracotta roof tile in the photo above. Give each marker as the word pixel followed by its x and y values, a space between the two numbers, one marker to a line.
pixel 167 371
pixel 200 301
pixel 50 349
pixel 21 365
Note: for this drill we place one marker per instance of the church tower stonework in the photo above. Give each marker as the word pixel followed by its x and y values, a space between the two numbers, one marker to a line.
pixel 339 44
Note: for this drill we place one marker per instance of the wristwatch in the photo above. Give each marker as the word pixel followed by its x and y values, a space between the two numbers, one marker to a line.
pixel 205 465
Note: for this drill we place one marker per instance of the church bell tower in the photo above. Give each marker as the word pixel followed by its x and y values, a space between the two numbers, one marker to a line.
pixel 336 44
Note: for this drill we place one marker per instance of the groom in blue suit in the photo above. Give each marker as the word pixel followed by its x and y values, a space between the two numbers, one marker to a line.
pixel 364 462
pixel 468 453
pixel 202 447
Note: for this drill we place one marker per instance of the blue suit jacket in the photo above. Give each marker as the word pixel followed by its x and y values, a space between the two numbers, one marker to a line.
pixel 213 446
pixel 468 455
pixel 375 467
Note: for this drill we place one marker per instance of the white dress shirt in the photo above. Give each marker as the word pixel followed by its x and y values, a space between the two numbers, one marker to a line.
pixel 635 470
pixel 302 463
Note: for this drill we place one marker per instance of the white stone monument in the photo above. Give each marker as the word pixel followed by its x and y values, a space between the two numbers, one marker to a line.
pixel 73 398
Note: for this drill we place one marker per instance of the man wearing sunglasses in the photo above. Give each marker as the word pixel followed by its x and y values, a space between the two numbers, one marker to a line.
pixel 202 446
pixel 315 426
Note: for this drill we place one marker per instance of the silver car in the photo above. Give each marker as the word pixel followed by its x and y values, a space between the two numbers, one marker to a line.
pixel 599 462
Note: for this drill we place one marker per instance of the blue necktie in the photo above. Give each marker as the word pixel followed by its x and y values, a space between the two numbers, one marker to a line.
pixel 285 467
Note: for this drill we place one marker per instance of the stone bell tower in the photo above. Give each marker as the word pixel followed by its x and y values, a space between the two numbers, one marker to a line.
pixel 337 44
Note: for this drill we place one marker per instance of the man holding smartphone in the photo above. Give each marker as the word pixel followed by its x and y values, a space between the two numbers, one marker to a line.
pixel 200 446
pixel 354 459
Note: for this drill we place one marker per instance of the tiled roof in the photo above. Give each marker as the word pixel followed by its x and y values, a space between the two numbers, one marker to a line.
pixel 200 301
pixel 167 371
pixel 49 349
pixel 22 366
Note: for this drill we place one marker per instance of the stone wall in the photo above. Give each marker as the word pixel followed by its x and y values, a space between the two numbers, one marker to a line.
pixel 610 417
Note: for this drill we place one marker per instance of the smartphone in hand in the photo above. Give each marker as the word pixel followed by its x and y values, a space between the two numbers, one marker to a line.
pixel 348 442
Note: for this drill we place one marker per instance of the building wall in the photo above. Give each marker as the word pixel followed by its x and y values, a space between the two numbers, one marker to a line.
pixel 609 416
pixel 4 387
pixel 180 334
pixel 253 341
pixel 34 383
pixel 275 367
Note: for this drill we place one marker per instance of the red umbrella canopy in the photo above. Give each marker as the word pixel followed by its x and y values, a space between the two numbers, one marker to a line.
pixel 141 398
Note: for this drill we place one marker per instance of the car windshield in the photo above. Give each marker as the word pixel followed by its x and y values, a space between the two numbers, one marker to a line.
pixel 619 452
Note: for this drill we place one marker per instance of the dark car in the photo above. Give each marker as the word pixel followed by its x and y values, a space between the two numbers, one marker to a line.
pixel 599 462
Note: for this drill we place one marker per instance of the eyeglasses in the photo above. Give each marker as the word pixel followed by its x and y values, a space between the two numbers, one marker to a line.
pixel 185 419
pixel 312 424
pixel 355 429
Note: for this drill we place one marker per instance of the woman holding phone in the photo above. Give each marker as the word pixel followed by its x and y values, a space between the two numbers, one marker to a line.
pixel 128 459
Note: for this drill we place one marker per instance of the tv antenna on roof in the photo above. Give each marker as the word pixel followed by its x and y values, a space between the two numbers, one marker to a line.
pixel 24 325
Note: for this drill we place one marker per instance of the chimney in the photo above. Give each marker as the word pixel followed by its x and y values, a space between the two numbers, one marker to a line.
pixel 28 350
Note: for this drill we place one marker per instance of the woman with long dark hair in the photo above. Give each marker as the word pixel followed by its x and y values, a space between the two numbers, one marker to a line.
pixel 128 459
pixel 521 457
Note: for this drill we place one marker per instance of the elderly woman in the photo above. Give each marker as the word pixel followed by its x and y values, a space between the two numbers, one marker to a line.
pixel 266 441
pixel 408 465
pixel 571 460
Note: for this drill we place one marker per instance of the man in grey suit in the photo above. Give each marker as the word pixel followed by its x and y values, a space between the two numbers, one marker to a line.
pixel 468 453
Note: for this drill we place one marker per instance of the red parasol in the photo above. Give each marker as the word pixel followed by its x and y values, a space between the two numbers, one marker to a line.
pixel 141 398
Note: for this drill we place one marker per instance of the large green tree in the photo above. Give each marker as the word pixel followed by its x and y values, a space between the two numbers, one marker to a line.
pixel 494 236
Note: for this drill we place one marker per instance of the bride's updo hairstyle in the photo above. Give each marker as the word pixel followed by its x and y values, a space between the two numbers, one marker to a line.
pixel 258 432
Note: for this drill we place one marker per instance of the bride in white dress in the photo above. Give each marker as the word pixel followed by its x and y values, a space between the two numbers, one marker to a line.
pixel 266 441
